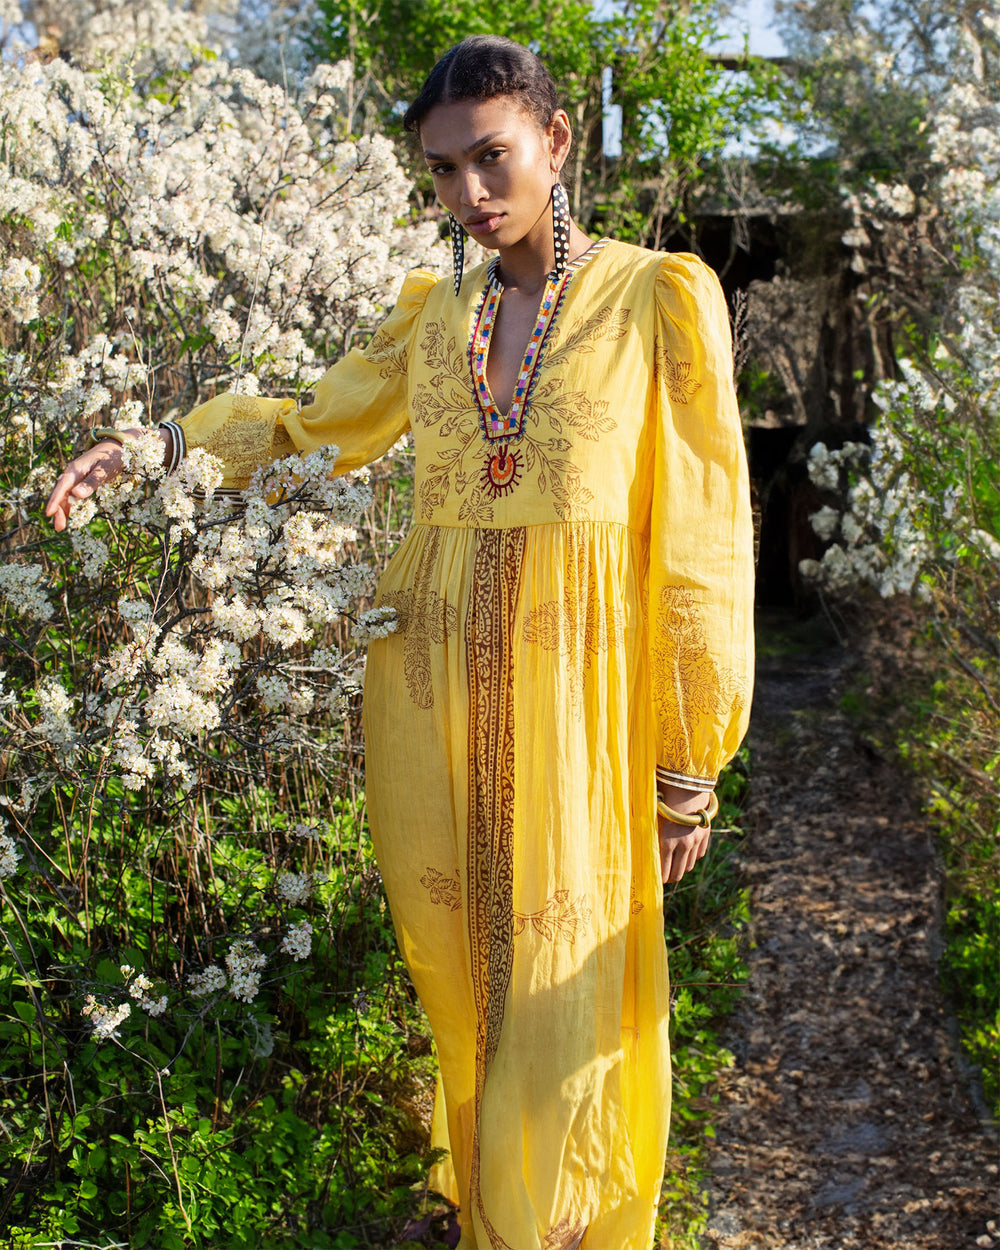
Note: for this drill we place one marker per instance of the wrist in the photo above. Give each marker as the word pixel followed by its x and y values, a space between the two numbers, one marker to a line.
pixel 169 446
pixel 695 810
pixel 680 798
pixel 168 440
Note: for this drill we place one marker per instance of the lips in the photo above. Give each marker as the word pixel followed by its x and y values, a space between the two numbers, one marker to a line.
pixel 483 223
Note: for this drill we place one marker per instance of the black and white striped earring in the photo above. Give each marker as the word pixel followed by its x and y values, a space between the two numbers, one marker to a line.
pixel 560 228
pixel 457 249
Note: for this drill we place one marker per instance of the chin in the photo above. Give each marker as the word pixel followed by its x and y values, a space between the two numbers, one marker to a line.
pixel 505 236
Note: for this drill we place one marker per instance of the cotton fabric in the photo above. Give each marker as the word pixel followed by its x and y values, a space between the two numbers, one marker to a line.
pixel 557 639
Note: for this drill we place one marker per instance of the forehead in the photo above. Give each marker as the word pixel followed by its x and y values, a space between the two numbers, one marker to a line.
pixel 456 127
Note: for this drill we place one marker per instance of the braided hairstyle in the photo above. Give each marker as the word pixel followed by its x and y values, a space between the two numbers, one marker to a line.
pixel 483 67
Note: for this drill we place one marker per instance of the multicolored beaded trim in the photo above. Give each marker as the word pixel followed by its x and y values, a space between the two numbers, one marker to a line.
pixel 492 421
pixel 502 469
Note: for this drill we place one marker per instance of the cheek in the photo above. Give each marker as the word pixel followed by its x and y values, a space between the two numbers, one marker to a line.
pixel 528 180
pixel 448 192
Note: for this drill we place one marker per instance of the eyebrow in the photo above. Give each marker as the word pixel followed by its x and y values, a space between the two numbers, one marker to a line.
pixel 478 143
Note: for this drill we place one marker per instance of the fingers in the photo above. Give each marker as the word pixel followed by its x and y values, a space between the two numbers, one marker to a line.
pixel 58 506
pixel 80 479
pixel 680 850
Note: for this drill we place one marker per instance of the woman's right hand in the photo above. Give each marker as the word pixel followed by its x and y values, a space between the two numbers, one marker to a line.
pixel 82 476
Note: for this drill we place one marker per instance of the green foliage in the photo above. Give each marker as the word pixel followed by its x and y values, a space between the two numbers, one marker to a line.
pixel 678 105
pixel 706 918
pixel 972 973
pixel 866 74
pixel 285 1122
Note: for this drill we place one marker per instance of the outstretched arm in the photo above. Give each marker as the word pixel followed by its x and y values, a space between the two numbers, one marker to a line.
pixel 97 465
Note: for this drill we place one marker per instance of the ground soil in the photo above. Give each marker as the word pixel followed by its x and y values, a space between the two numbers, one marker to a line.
pixel 849 1121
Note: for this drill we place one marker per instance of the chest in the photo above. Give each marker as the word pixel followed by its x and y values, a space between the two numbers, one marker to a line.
pixel 515 320
pixel 499 439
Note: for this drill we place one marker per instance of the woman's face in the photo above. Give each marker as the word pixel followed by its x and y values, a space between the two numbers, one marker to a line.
pixel 493 166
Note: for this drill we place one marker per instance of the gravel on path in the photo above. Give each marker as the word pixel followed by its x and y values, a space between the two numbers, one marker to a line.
pixel 849 1121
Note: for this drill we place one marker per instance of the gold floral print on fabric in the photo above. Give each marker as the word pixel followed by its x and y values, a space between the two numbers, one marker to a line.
pixel 681 386
pixel 490 874
pixel 385 351
pixel 556 418
pixel 687 683
pixel 562 917
pixel 243 442
pixel 581 624
pixel 445 891
pixel 424 619
pixel 564 1235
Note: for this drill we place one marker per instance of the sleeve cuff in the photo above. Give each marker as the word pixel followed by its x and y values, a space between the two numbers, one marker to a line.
pixel 179 444
pixel 684 780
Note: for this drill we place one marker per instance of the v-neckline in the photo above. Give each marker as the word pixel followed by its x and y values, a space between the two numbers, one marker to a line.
pixel 496 423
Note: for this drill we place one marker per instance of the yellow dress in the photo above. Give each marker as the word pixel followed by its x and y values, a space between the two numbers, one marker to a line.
pixel 570 615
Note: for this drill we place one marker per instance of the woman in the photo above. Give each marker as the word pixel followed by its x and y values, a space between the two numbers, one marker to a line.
pixel 572 663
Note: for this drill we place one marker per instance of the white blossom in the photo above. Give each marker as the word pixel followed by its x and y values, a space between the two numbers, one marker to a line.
pixel 55 705
pixel 297 942
pixel 375 623
pixel 209 981
pixel 21 586
pixel 825 523
pixel 20 283
pixel 105 1020
pixel 244 962
pixel 9 854
pixel 295 888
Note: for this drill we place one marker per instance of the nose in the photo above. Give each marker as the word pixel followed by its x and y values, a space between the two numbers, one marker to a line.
pixel 473 191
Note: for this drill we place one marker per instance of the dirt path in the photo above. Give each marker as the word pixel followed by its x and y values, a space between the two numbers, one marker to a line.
pixel 847 1123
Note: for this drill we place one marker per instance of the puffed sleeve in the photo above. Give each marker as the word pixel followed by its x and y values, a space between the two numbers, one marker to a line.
pixel 360 405
pixel 701 577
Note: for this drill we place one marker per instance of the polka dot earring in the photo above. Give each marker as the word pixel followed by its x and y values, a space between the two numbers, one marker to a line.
pixel 457 249
pixel 560 228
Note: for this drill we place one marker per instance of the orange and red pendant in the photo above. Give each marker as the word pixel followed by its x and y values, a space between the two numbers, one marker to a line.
pixel 502 469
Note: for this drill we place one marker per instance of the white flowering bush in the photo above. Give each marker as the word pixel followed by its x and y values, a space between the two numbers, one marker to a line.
pixel 184 886
pixel 926 500
pixel 922 515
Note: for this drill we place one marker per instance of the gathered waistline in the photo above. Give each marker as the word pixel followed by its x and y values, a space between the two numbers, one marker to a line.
pixel 529 525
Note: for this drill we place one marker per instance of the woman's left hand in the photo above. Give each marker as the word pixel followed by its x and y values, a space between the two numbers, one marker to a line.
pixel 680 846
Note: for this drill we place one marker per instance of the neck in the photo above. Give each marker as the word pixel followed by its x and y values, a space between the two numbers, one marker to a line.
pixel 525 265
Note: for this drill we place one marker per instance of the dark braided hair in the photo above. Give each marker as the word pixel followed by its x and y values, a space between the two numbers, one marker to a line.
pixel 483 67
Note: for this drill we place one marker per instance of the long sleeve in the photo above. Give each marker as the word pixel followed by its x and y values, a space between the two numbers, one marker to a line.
pixel 701 576
pixel 360 404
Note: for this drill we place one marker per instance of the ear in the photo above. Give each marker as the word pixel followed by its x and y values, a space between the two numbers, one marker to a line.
pixel 560 134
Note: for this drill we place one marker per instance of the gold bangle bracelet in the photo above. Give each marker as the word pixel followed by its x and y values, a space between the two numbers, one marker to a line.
pixel 101 432
pixel 693 820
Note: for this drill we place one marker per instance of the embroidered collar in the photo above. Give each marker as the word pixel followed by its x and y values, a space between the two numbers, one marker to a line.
pixel 494 424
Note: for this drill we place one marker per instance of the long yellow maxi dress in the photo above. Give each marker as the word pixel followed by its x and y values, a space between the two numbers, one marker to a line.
pixel 574 604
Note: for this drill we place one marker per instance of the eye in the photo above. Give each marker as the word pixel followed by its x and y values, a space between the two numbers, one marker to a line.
pixel 493 154
pixel 442 168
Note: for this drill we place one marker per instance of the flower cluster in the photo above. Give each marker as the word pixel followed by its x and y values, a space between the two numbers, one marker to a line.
pixel 297 942
pixel 138 986
pixel 375 623
pixel 105 1019
pixel 924 499
pixel 244 962
pixel 21 586
pixel 211 980
pixel 9 853
pixel 296 888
